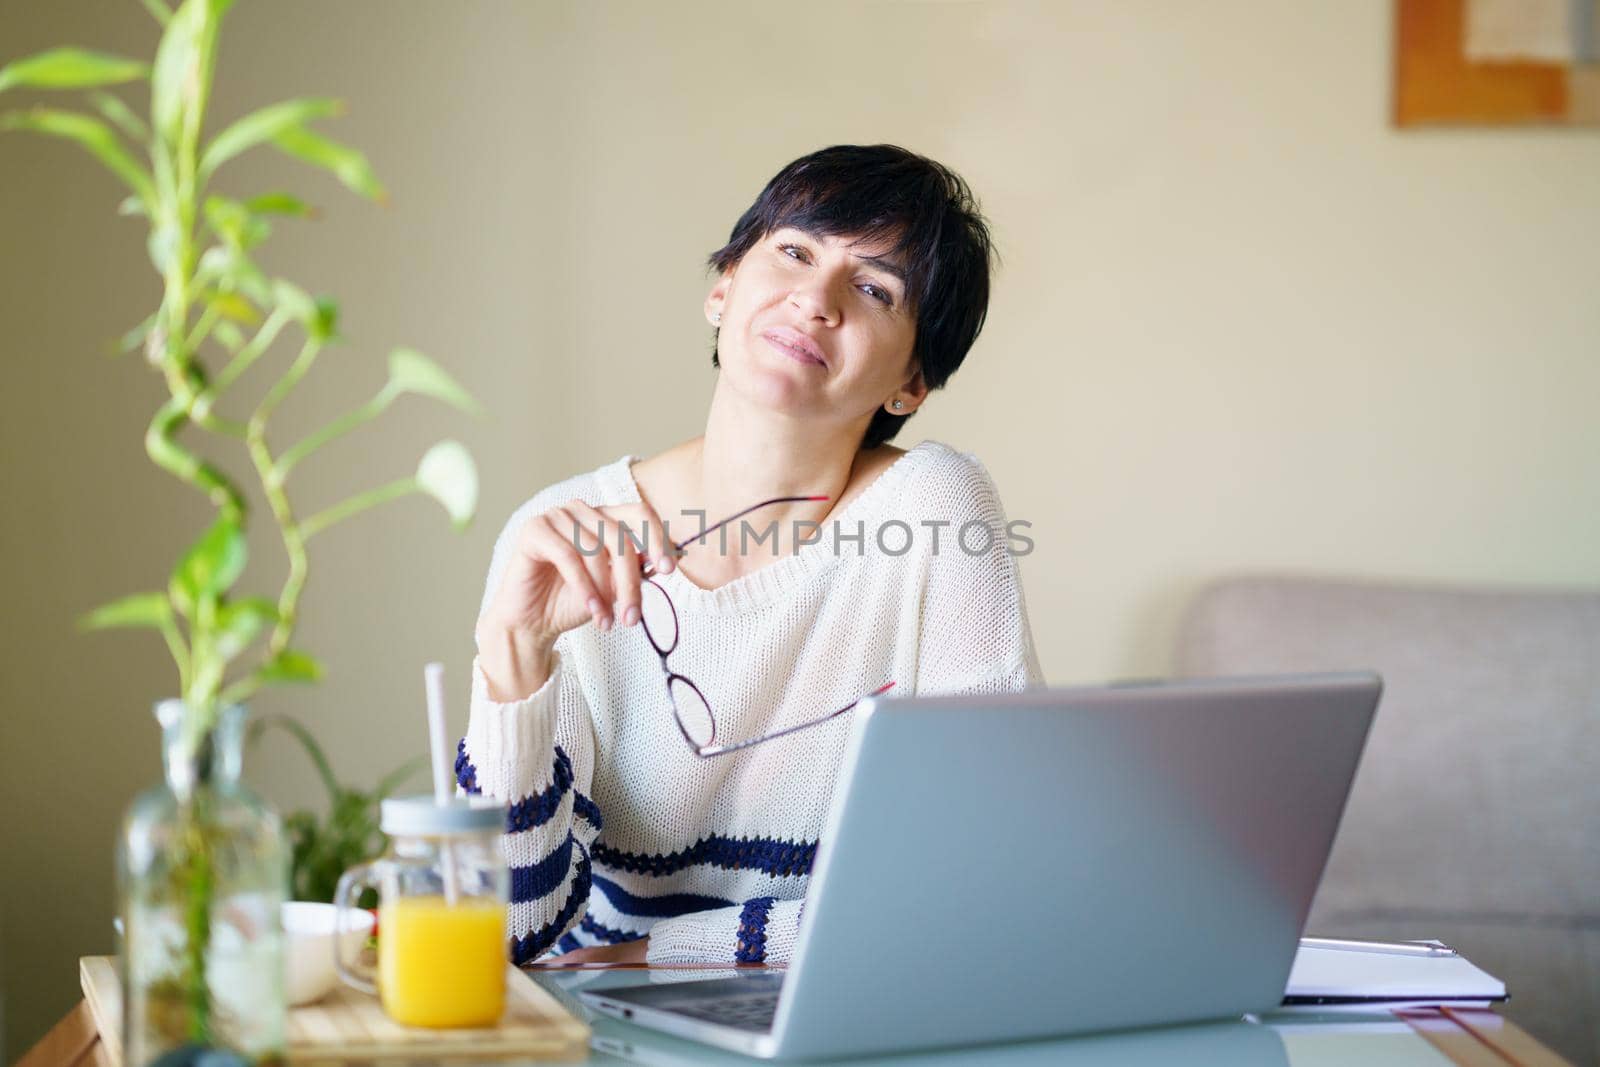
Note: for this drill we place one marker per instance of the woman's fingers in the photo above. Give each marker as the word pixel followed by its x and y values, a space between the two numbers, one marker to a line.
pixel 553 539
pixel 602 556
pixel 627 952
pixel 643 523
pixel 663 554
pixel 590 539
pixel 626 570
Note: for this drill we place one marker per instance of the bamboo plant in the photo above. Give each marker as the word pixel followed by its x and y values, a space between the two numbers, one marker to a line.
pixel 219 313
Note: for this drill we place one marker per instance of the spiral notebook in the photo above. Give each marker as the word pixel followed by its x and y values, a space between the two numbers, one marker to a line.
pixel 1323 976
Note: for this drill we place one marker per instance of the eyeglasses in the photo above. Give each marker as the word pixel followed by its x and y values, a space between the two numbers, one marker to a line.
pixel 689 706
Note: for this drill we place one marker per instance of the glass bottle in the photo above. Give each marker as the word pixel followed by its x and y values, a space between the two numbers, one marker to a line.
pixel 203 871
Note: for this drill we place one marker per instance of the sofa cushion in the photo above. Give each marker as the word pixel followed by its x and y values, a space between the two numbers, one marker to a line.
pixel 1475 815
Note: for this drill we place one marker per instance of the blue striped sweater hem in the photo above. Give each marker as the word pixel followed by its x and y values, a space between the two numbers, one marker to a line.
pixel 538 808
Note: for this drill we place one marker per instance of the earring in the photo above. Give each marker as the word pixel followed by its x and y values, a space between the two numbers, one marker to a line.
pixel 897 405
pixel 716 320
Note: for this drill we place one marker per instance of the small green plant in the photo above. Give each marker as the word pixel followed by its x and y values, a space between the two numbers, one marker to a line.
pixel 219 313
pixel 323 849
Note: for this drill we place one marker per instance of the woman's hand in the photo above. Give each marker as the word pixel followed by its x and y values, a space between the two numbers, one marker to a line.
pixel 627 952
pixel 549 586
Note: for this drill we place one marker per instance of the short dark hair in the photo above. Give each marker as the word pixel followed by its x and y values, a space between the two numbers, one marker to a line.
pixel 883 192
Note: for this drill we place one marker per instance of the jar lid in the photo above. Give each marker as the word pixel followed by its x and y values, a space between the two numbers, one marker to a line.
pixel 421 816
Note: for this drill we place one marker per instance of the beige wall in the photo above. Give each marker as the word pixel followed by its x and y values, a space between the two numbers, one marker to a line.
pixel 1241 323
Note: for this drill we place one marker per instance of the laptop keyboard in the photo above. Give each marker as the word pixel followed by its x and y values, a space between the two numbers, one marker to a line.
pixel 754 1012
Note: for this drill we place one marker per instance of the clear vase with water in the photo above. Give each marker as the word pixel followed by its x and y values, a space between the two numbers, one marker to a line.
pixel 203 871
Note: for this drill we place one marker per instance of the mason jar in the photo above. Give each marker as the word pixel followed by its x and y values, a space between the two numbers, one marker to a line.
pixel 443 888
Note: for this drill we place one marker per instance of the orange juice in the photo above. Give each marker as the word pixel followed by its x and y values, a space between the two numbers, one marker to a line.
pixel 441 965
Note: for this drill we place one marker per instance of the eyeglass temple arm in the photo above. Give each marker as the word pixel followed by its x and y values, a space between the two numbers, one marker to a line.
pixel 679 546
pixel 718 750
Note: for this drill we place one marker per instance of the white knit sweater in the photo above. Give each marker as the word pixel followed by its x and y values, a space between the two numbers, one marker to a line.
pixel 617 829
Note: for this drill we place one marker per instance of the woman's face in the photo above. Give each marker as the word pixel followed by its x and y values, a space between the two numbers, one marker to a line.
pixel 815 325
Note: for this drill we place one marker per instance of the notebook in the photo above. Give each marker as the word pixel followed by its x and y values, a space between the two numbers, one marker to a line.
pixel 1328 976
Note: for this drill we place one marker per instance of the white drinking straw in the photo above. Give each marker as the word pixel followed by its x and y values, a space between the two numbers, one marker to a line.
pixel 433 677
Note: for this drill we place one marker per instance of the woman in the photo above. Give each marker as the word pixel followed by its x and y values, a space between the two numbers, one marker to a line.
pixel 645 823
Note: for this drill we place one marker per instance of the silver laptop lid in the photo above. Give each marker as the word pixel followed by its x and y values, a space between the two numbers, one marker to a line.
pixel 1065 860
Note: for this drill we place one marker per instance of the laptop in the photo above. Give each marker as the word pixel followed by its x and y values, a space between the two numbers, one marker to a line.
pixel 1212 1044
pixel 1060 861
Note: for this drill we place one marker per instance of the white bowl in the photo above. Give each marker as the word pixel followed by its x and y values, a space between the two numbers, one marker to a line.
pixel 308 932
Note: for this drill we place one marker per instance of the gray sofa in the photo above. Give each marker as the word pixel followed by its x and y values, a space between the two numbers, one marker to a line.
pixel 1475 816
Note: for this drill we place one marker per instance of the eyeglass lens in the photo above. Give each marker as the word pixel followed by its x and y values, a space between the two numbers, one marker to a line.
pixel 694 716
pixel 659 617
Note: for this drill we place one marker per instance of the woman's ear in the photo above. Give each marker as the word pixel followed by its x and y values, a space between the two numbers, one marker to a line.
pixel 718 297
pixel 916 391
pixel 908 397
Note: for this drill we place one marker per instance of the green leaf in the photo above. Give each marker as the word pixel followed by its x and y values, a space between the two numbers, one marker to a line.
pixel 314 752
pixel 70 68
pixel 226 217
pixel 262 126
pixel 228 268
pixel 346 164
pixel 307 741
pixel 398 777
pixel 134 338
pixel 234 223
pixel 120 115
pixel 291 666
pixel 318 317
pixel 239 621
pixel 176 68
pixel 180 80
pixel 448 474
pixel 235 307
pixel 140 609
pixel 280 204
pixel 326 324
pixel 412 372
pixel 210 566
pixel 91 134
pixel 133 206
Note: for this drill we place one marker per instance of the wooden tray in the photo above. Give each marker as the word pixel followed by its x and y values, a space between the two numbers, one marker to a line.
pixel 349 1025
